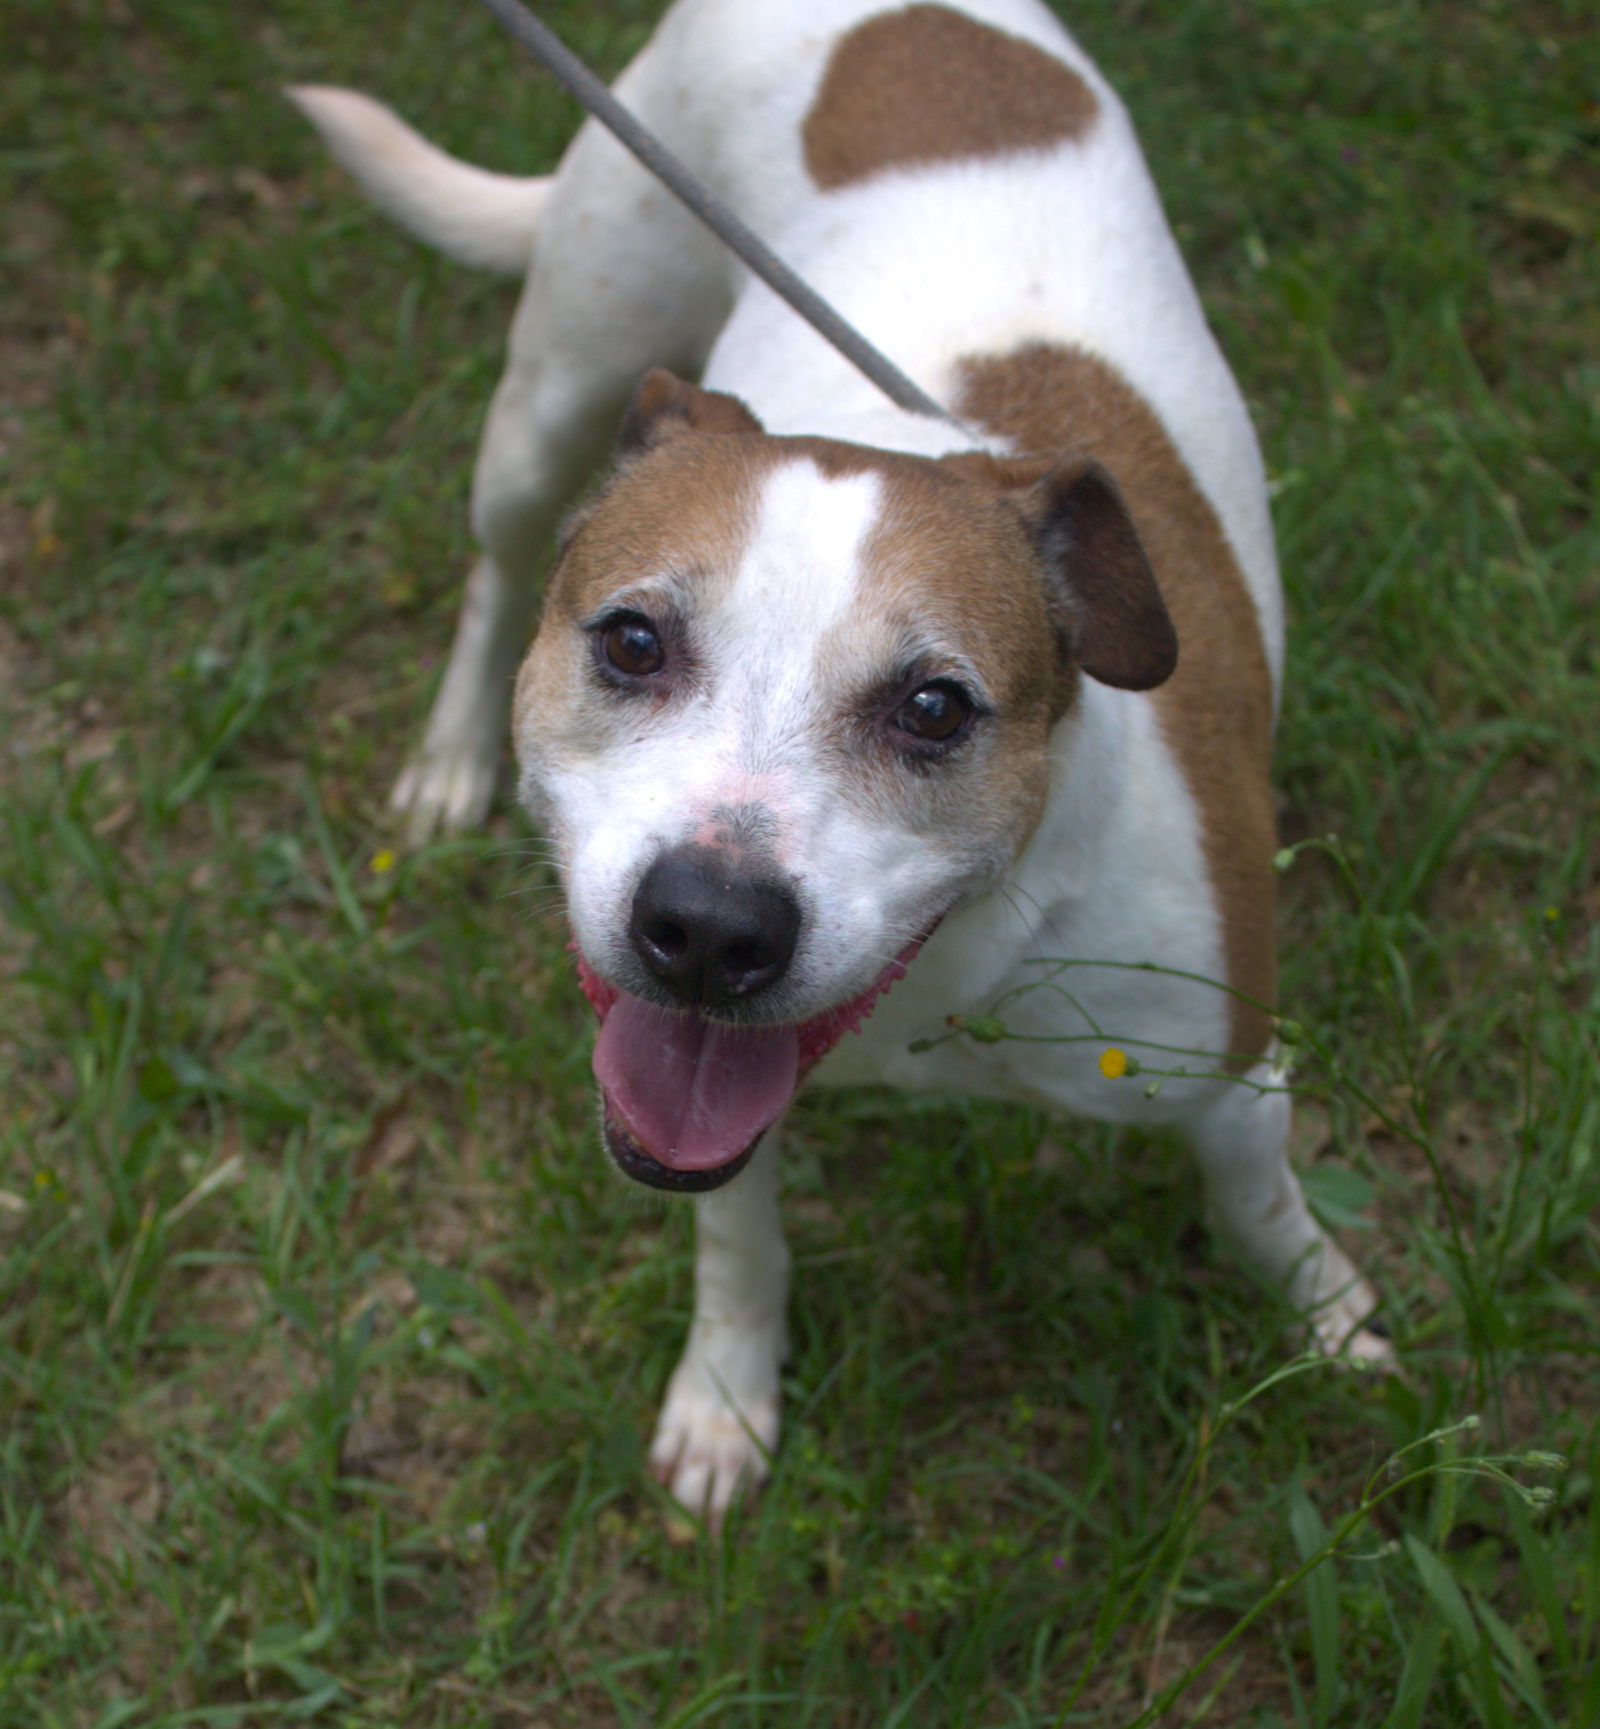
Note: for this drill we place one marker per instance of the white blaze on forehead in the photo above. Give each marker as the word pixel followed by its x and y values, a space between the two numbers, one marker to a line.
pixel 799 574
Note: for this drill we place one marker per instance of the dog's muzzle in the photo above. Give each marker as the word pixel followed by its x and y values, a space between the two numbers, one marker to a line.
pixel 710 932
pixel 694 1074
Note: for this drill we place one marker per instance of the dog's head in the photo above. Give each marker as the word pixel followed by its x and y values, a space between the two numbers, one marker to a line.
pixel 789 705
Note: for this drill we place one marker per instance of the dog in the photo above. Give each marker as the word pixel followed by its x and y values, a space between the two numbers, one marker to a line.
pixel 827 694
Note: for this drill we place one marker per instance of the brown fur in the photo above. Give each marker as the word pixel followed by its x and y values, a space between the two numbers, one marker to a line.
pixel 664 405
pixel 1216 709
pixel 687 510
pixel 926 84
pixel 951 571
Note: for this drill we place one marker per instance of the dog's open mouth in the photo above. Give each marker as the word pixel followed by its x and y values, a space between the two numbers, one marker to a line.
pixel 686 1098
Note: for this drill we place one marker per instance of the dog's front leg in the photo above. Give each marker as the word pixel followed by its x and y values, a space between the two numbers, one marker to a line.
pixel 545 430
pixel 449 782
pixel 719 1425
pixel 1256 1204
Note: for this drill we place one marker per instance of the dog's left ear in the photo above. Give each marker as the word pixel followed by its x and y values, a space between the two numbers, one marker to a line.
pixel 1102 588
pixel 664 406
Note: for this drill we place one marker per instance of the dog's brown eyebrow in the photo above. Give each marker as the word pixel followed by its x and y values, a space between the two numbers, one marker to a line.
pixel 671 593
pixel 921 654
pixel 912 671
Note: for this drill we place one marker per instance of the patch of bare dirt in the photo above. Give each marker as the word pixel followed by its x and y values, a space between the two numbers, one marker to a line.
pixel 114 1501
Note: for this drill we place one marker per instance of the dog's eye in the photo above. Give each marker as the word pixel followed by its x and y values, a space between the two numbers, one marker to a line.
pixel 938 713
pixel 632 646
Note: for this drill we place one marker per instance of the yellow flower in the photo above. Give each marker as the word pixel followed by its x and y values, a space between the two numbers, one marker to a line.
pixel 383 862
pixel 1113 1063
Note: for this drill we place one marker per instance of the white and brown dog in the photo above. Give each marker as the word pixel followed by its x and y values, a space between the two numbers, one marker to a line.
pixel 825 691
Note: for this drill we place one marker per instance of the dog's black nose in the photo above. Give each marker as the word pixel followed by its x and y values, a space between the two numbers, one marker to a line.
pixel 711 931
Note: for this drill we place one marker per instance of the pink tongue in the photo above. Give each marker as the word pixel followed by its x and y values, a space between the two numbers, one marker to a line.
pixel 694 1093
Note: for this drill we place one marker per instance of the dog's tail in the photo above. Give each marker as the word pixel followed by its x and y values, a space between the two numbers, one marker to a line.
pixel 472 215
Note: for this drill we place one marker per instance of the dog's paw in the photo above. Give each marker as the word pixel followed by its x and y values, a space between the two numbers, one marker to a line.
pixel 1338 1330
pixel 708 1452
pixel 444 793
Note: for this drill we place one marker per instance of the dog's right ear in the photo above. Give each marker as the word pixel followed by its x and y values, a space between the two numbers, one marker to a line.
pixel 664 406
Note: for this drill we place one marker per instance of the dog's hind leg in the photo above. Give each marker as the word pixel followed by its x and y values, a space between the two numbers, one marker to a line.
pixel 1255 1203
pixel 622 279
pixel 719 1424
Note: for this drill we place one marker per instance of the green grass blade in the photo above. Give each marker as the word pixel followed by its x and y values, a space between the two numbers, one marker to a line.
pixel 1446 1596
pixel 1417 1676
pixel 1322 1601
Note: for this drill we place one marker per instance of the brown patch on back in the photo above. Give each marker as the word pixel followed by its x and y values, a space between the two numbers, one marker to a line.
pixel 1216 709
pixel 926 84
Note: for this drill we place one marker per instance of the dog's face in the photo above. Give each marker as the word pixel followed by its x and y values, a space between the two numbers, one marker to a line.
pixel 789 705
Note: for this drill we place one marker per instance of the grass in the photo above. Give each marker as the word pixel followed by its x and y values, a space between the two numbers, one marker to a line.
pixel 327 1349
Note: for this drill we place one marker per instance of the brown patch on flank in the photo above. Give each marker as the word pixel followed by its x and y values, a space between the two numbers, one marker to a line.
pixel 1216 709
pixel 926 84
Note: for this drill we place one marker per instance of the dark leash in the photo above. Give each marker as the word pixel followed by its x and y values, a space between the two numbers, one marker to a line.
pixel 558 59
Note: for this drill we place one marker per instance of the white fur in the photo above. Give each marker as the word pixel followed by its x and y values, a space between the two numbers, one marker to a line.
pixel 719 1423
pixel 1067 245
pixel 472 215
